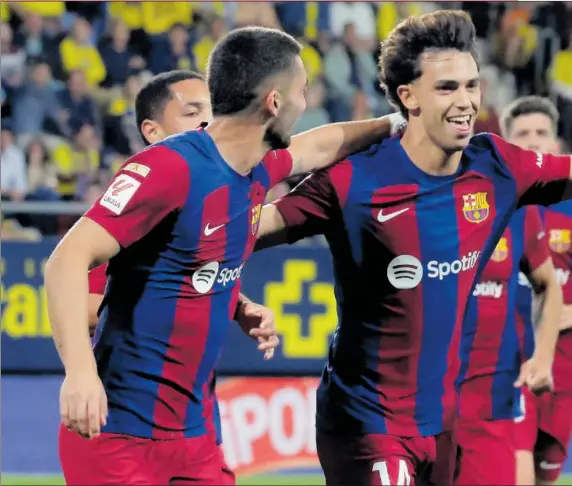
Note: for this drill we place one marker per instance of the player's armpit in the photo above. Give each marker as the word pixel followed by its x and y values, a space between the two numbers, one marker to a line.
pixel 272 230
pixel 323 146
pixel 544 280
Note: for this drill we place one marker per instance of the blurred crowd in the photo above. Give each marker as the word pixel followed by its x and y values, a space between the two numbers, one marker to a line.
pixel 70 72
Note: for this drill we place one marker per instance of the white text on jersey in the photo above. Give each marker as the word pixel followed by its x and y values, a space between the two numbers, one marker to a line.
pixel 441 269
pixel 488 289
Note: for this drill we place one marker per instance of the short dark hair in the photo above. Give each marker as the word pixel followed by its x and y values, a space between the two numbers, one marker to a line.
pixel 529 105
pixel 440 30
pixel 151 100
pixel 241 62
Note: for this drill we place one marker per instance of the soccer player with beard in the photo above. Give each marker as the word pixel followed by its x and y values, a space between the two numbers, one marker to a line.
pixel 177 222
pixel 542 434
pixel 411 223
pixel 170 103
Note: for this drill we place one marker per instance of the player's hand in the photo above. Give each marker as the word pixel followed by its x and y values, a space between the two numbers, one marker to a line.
pixel 536 373
pixel 258 322
pixel 83 403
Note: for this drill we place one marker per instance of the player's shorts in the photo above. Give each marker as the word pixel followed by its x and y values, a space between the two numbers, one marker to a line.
pixel 545 431
pixel 228 477
pixel 486 452
pixel 114 459
pixel 380 459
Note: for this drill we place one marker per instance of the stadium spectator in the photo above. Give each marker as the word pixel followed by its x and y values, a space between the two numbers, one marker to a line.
pixel 13 58
pixel 118 56
pixel 30 38
pixel 35 106
pixel 78 52
pixel 256 13
pixel 560 76
pixel 216 29
pixel 13 181
pixel 175 52
pixel 308 19
pixel 159 17
pixel 312 61
pixel 350 71
pixel 121 129
pixel 78 105
pixel 41 172
pixel 78 164
pixel 359 14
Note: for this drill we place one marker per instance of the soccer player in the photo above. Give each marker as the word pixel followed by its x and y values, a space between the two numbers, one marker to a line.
pixel 178 222
pixel 170 103
pixel 490 348
pixel 411 223
pixel 542 436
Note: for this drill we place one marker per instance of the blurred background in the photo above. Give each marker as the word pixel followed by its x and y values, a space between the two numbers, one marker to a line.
pixel 70 72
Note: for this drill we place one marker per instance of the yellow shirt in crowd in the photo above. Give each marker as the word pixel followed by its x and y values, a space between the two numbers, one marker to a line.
pixel 153 17
pixel 45 9
pixel 84 58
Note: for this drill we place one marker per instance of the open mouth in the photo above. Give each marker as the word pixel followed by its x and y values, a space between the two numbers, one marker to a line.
pixel 461 122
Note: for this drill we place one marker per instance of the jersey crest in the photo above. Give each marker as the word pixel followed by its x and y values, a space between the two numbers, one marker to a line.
pixel 559 240
pixel 255 219
pixel 476 207
pixel 501 251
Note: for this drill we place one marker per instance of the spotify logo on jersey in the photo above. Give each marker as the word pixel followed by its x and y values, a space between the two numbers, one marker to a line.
pixel 405 272
pixel 204 278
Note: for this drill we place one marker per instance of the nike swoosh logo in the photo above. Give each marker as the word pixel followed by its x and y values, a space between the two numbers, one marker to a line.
pixel 209 231
pixel 546 465
pixel 382 218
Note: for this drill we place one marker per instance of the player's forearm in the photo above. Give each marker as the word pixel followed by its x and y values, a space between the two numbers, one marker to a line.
pixel 549 325
pixel 322 146
pixel 66 283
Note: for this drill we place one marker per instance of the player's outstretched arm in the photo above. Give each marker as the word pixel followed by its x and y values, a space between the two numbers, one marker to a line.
pixel 536 373
pixel 308 210
pixel 323 146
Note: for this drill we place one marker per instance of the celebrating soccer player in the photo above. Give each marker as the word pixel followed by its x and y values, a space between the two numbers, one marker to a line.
pixel 542 434
pixel 411 223
pixel 177 222
pixel 170 103
pixel 490 347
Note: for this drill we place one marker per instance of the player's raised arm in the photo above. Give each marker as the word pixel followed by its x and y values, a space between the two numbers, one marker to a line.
pixel 307 210
pixel 322 146
pixel 146 189
pixel 540 178
pixel 536 373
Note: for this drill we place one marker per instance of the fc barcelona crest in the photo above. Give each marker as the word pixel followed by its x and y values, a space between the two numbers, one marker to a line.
pixel 501 251
pixel 559 240
pixel 255 219
pixel 476 207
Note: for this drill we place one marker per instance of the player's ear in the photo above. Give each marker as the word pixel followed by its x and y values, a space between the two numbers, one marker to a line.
pixel 406 94
pixel 152 131
pixel 273 102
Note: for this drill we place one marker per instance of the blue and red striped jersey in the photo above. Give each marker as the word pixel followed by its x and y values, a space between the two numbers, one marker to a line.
pixel 490 347
pixel 186 223
pixel 557 220
pixel 407 247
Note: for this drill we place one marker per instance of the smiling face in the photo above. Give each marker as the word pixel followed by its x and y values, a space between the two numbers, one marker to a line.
pixel 445 99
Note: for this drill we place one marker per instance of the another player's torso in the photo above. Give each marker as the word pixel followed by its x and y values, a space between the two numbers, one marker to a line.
pixel 405 266
pixel 558 225
pixel 170 299
pixel 489 348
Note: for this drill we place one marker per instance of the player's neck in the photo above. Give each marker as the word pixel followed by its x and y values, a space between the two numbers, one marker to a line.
pixel 240 141
pixel 428 156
